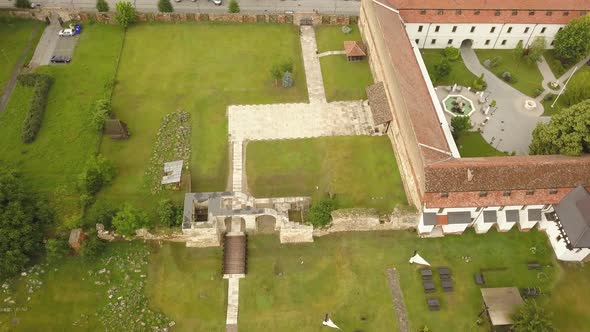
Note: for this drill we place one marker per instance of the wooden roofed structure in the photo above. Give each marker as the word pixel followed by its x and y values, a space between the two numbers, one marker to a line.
pixel 116 129
pixel 355 50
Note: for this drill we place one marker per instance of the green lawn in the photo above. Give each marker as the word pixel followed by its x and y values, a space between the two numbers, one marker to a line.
pixel 290 287
pixel 527 75
pixel 331 37
pixel 66 139
pixel 361 171
pixel 562 102
pixel 459 75
pixel 14 34
pixel 345 80
pixel 186 285
pixel 472 144
pixel 199 68
pixel 556 66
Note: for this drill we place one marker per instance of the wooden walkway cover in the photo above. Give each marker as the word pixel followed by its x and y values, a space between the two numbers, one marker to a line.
pixel 234 254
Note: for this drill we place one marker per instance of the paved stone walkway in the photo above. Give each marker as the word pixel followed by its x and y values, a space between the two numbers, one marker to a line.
pixel 398 300
pixel 510 127
pixel 233 292
pixel 237 165
pixel 323 54
pixel 548 76
pixel 292 121
pixel 311 62
pixel 12 80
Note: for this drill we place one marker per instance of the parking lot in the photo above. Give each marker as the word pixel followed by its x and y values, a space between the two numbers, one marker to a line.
pixel 65 46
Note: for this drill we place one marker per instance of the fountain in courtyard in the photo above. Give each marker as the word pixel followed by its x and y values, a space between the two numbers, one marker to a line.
pixel 458 105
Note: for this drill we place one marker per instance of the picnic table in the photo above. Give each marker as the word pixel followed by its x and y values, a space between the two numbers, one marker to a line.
pixel 426 274
pixel 447 285
pixel 534 265
pixel 428 286
pixel 444 273
pixel 433 303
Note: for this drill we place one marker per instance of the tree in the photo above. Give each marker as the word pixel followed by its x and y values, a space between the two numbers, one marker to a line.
pixel 442 69
pixel 519 50
pixel 535 51
pixel 165 6
pixel 126 13
pixel 287 80
pixel 479 83
pixel 22 4
pixel 320 213
pixel 572 43
pixel 577 88
pixel 98 173
pixel 102 6
pixel 275 73
pixel 234 7
pixel 101 110
pixel 568 132
pixel 102 212
pixel 92 247
pixel 169 214
pixel 532 318
pixel 451 53
pixel 129 219
pixel 460 125
pixel 56 249
pixel 23 219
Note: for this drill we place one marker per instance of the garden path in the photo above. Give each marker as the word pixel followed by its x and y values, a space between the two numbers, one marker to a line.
pixel 311 62
pixel 510 127
pixel 398 300
pixel 47 43
pixel 323 54
pixel 548 76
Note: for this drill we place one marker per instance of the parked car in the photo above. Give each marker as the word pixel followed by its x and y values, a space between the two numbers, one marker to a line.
pixel 67 32
pixel 60 59
pixel 216 2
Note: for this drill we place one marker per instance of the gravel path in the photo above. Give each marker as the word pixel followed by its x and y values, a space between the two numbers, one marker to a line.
pixel 398 300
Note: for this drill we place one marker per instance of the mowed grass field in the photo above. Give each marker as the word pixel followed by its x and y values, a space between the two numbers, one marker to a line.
pixel 14 35
pixel 360 170
pixel 67 137
pixel 472 144
pixel 201 69
pixel 459 74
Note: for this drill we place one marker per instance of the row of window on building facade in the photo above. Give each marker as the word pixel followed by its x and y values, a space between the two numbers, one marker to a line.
pixel 487 42
pixel 498 12
pixel 472 30
pixel 506 193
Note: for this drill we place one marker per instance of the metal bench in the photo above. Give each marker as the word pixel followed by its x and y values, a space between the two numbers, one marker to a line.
pixel 433 303
pixel 479 280
pixel 444 273
pixel 428 286
pixel 447 285
pixel 426 274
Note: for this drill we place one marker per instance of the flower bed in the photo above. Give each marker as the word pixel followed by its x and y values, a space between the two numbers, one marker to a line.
pixel 172 143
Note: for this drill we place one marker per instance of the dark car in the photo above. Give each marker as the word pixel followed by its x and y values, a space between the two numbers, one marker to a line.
pixel 60 59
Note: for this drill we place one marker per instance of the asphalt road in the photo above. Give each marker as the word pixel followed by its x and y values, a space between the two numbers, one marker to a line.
pixel 349 7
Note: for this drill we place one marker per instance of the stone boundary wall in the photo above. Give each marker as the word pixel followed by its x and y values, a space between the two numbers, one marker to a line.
pixel 109 17
pixel 362 220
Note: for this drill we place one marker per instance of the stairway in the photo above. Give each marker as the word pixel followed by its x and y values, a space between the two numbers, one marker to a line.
pixel 237 165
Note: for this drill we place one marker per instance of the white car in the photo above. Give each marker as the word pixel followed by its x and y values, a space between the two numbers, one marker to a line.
pixel 67 32
pixel 216 2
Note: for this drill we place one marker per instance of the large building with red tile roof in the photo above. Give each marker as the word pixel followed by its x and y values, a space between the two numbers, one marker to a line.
pixel 486 23
pixel 453 193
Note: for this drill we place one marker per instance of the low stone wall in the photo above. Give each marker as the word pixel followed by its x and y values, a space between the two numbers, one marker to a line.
pixel 361 220
pixel 203 237
pixel 109 18
pixel 296 234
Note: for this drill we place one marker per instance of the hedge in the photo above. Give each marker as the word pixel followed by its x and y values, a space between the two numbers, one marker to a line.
pixel 41 85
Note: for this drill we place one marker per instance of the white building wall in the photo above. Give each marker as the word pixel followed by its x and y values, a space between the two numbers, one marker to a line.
pixel 423 228
pixel 454 228
pixel 499 36
pixel 561 251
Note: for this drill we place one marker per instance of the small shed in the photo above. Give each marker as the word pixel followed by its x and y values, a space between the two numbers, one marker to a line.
pixel 172 172
pixel 116 129
pixel 77 236
pixel 355 50
pixel 501 303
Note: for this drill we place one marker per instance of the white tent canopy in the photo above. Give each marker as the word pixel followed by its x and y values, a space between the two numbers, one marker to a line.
pixel 329 323
pixel 417 259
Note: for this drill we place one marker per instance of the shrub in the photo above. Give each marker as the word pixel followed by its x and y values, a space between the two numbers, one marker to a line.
pixel 287 80
pixel 102 6
pixel 165 6
pixel 100 213
pixel 548 97
pixel 519 50
pixel 442 69
pixel 479 83
pixel 129 219
pixel 537 92
pixel 460 125
pixel 234 7
pixel 319 214
pixel 56 249
pixel 278 70
pixel 126 13
pixel 98 173
pixel 41 85
pixel 22 4
pixel 532 317
pixel 451 53
pixel 169 214
pixel 286 66
pixel 535 51
pixel 101 110
pixel 493 103
pixel 92 247
pixel 487 63
pixel 495 62
pixel 506 76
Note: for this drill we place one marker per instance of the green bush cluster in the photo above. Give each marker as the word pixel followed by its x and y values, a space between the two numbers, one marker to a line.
pixel 320 213
pixel 22 4
pixel 451 53
pixel 130 219
pixel 102 6
pixel 479 83
pixel 234 7
pixel 170 215
pixel 41 85
pixel 165 6
pixel 98 173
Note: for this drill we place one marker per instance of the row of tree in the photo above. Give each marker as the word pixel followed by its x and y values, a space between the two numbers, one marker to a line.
pixel 164 6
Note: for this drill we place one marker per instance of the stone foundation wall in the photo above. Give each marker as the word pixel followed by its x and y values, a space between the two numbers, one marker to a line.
pixel 361 220
pixel 203 237
pixel 109 18
pixel 296 234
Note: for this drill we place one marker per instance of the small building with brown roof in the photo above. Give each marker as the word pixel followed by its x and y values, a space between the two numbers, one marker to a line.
pixel 379 107
pixel 451 192
pixel 354 50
